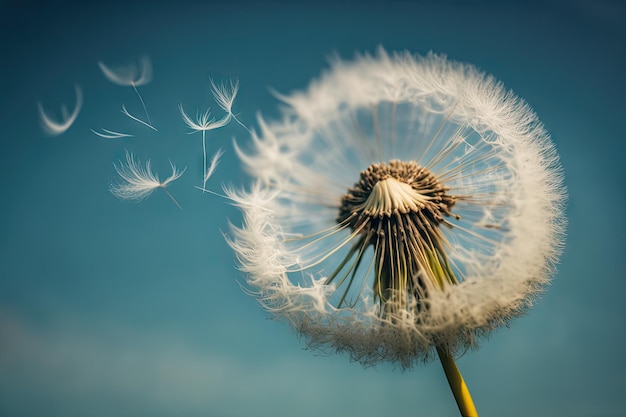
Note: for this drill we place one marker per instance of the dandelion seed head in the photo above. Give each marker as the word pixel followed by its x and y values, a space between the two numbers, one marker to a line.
pixel 204 121
pixel 402 203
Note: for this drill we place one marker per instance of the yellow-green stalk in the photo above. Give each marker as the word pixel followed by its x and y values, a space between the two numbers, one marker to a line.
pixel 457 384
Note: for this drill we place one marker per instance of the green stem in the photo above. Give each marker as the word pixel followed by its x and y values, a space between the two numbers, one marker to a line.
pixel 457 384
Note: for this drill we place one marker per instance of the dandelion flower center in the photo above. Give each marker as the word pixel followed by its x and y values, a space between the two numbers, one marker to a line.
pixel 397 208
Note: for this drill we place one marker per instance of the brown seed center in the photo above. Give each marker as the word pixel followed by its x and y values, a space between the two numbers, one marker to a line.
pixel 385 190
pixel 397 209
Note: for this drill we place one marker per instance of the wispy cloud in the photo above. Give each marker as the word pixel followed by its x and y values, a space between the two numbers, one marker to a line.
pixel 108 369
pixel 83 364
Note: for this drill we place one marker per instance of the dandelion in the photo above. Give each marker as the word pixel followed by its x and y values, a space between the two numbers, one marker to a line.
pixel 225 97
pixel 135 118
pixel 208 173
pixel 139 181
pixel 56 128
pixel 110 134
pixel 404 206
pixel 204 122
pixel 132 76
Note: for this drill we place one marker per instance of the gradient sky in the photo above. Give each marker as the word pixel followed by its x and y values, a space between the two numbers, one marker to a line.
pixel 111 308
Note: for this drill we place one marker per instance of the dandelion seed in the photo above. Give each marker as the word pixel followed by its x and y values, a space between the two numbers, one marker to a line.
pixel 131 76
pixel 209 172
pixel 127 113
pixel 110 134
pixel 203 124
pixel 405 206
pixel 225 97
pixel 204 190
pixel 56 128
pixel 214 162
pixel 139 181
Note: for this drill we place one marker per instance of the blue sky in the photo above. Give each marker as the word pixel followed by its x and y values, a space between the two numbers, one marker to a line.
pixel 125 309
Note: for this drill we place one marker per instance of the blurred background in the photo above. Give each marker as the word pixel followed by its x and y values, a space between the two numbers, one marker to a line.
pixel 110 307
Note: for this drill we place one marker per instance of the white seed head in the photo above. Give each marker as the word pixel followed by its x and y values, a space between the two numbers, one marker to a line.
pixel 204 121
pixel 402 203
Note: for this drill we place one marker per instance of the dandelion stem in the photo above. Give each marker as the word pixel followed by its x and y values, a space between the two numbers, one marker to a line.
pixel 204 190
pixel 204 176
pixel 172 197
pixel 457 384
pixel 142 102
pixel 125 111
pixel 241 124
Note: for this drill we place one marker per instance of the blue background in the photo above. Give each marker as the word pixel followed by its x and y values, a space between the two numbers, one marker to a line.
pixel 118 308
